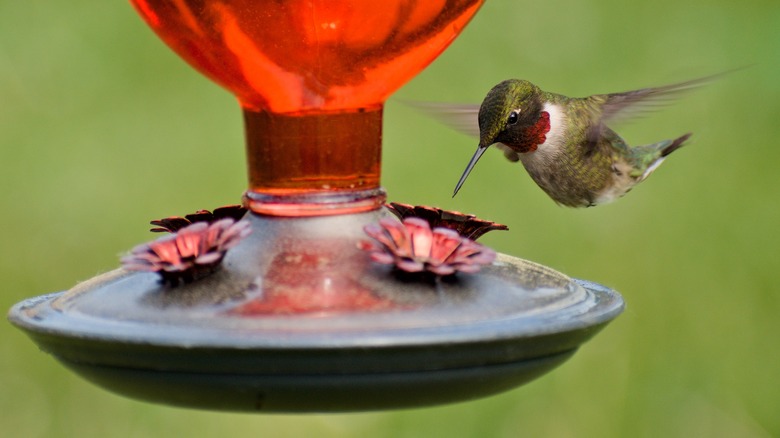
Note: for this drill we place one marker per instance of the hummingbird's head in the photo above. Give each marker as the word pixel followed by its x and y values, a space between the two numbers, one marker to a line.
pixel 509 109
pixel 509 114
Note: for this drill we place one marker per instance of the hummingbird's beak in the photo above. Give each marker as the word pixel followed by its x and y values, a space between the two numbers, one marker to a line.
pixel 480 150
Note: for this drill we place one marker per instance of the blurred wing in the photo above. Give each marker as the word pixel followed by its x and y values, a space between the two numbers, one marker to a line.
pixel 631 104
pixel 639 102
pixel 460 117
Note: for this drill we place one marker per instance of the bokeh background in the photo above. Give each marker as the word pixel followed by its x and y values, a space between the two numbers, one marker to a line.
pixel 102 128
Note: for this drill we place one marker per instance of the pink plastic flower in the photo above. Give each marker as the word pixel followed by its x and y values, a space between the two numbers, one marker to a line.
pixel 175 223
pixel 412 246
pixel 467 225
pixel 190 254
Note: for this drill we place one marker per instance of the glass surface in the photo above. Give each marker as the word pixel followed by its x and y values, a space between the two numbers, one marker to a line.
pixel 308 55
pixel 311 76
pixel 289 154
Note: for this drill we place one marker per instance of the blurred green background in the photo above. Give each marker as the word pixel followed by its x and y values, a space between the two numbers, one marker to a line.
pixel 103 128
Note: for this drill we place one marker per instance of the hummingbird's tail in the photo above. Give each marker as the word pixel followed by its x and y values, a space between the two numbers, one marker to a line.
pixel 676 144
pixel 649 157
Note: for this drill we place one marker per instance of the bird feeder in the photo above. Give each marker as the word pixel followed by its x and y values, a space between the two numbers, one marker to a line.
pixel 295 307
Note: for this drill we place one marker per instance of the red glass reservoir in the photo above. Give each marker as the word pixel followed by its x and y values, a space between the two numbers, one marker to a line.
pixel 311 76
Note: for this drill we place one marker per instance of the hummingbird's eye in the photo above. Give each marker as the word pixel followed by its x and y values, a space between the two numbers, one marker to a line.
pixel 512 118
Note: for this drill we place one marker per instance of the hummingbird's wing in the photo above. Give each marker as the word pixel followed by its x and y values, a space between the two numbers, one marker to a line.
pixel 614 107
pixel 628 104
pixel 462 117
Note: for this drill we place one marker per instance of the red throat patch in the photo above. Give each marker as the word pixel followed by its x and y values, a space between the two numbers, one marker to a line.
pixel 537 134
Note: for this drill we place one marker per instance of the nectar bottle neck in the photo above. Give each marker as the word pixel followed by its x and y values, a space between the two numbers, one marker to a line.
pixel 314 164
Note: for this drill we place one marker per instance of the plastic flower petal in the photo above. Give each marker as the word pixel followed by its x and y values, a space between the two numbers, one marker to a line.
pixel 189 254
pixel 413 246
pixel 175 223
pixel 467 225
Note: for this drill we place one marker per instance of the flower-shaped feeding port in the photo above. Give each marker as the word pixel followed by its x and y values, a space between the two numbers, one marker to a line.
pixel 192 253
pixel 172 224
pixel 412 246
pixel 466 225
pixel 298 317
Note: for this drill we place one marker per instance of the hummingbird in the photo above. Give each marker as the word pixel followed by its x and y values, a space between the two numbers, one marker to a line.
pixel 565 143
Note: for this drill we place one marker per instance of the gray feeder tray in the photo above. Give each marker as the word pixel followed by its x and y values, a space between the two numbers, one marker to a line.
pixel 300 320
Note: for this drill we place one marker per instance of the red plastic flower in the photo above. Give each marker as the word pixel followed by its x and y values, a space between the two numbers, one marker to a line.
pixel 467 225
pixel 190 254
pixel 175 223
pixel 412 246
